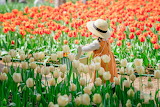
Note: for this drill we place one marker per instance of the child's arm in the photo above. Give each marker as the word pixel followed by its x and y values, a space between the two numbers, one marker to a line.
pixel 91 47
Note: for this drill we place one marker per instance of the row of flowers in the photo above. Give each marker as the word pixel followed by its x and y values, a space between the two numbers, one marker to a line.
pixel 36 85
pixel 133 23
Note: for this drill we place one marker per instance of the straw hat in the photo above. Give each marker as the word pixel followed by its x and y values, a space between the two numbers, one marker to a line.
pixel 99 28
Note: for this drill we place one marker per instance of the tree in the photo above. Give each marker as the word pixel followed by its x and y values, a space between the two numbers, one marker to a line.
pixel 59 2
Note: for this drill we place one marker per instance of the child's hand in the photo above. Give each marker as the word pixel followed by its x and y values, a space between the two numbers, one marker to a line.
pixel 79 52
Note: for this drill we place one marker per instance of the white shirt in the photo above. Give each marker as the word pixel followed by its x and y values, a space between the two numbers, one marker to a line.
pixel 92 46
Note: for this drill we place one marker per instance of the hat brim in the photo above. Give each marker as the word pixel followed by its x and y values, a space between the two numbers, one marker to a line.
pixel 97 33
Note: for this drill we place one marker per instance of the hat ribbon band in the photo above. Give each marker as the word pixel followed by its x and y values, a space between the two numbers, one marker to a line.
pixel 102 31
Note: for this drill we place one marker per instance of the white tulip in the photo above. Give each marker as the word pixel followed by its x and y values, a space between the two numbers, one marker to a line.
pixel 101 71
pixel 106 58
pixel 97 99
pixel 12 53
pixel 138 62
pixel 85 99
pixel 54 57
pixel 97 59
pixel 60 54
pixel 75 63
pixel 66 49
pixel 71 56
pixel 17 77
pixel 123 62
pixel 106 75
pixel 140 69
pixel 63 100
pixel 30 82
pixel 63 68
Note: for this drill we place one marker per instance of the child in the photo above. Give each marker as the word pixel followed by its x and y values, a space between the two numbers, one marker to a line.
pixel 100 46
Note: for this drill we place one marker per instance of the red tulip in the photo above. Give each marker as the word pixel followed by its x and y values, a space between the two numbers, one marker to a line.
pixel 119 43
pixel 142 38
pixel 12 42
pixel 128 43
pixel 76 41
pixel 154 40
pixel 65 41
pixel 156 46
pixel 131 35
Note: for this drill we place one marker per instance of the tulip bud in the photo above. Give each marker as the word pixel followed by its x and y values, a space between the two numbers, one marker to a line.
pixel 6 59
pixel 106 75
pixel 5 70
pixel 114 95
pixel 75 63
pixel 12 53
pixel 82 82
pixel 24 65
pixel 157 74
pixel 130 93
pixel 138 62
pixel 98 82
pixel 132 77
pixel 63 68
pixel 31 59
pixel 87 90
pixel 128 104
pixel 63 100
pixel 71 57
pixel 45 70
pixel 36 56
pixel 97 99
pixel 85 69
pixel 60 54
pixel 121 71
pixel 123 62
pixel 38 97
pixel 85 99
pixel 20 52
pixel 80 68
pixel 62 75
pixel 149 84
pixel 41 55
pixel 158 66
pixel 56 74
pixel 73 87
pixel 66 49
pixel 92 67
pixel 139 105
pixel 106 58
pixel 52 82
pixel 129 70
pixel 101 71
pixel 107 96
pixel 3 77
pixel 116 80
pixel 140 70
pixel 33 65
pixel 51 68
pixel 17 78
pixel 50 104
pixel 38 69
pixel 97 59
pixel 126 83
pixel 54 57
pixel 78 100
pixel 97 66
pixel 30 82
pixel 23 57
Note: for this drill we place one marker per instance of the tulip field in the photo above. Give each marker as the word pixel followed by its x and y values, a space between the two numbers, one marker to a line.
pixel 38 47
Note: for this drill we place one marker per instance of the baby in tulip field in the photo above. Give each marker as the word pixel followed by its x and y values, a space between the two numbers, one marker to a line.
pixel 100 47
